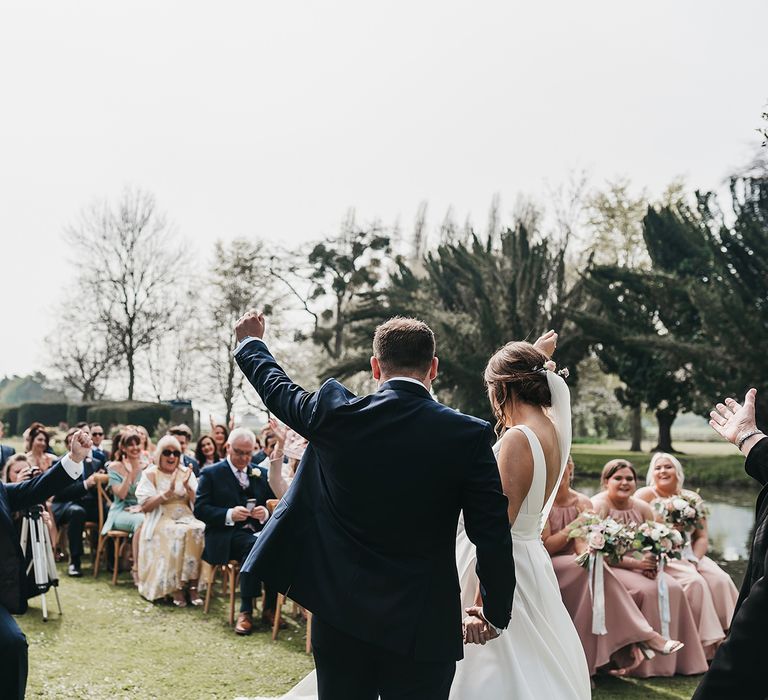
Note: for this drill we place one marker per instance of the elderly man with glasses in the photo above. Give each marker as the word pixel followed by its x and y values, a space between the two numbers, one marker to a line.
pixel 231 501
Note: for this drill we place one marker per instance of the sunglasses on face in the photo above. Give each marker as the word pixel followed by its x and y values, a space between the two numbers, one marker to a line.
pixel 171 453
pixel 96 434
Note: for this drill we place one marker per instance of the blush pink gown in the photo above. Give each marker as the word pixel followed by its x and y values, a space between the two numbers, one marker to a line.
pixel 625 623
pixel 690 660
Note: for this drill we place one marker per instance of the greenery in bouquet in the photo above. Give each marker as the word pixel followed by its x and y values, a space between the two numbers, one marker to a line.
pixel 684 512
pixel 657 538
pixel 603 536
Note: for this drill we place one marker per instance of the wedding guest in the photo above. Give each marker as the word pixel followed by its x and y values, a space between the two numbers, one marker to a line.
pixel 665 480
pixel 288 444
pixel 222 503
pixel 183 434
pixel 6 451
pixel 124 472
pixel 146 444
pixel 38 451
pixel 220 437
pixel 626 626
pixel 738 669
pixel 97 436
pixel 171 537
pixel 75 504
pixel 638 576
pixel 205 452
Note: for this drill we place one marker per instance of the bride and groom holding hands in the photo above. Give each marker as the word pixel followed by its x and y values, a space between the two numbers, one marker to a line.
pixel 366 537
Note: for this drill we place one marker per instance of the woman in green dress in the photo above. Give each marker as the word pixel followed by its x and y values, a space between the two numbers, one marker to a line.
pixel 125 469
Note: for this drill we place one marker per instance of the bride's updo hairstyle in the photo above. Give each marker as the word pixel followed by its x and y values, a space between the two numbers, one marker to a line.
pixel 516 373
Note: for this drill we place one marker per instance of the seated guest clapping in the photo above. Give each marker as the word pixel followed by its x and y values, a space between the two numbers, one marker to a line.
pixel 75 504
pixel 205 452
pixel 709 590
pixel 124 472
pixel 231 501
pixel 171 537
pixel 183 434
pixel 616 646
pixel 639 576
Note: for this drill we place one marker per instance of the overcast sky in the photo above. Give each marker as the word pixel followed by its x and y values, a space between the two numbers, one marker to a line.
pixel 271 119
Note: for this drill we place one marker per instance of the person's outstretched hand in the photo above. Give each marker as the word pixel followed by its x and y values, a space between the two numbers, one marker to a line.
pixel 731 420
pixel 547 343
pixel 252 324
pixel 80 447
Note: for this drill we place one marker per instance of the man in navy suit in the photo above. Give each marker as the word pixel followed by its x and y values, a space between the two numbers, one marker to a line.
pixel 76 504
pixel 184 435
pixel 222 503
pixel 13 582
pixel 97 435
pixel 377 567
pixel 6 451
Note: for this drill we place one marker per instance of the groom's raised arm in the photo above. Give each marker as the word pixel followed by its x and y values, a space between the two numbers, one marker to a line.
pixel 286 399
pixel 487 525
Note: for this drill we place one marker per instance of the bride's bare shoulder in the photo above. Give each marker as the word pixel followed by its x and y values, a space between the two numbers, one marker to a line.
pixel 514 448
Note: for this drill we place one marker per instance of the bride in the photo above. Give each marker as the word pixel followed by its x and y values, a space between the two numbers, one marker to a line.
pixel 539 655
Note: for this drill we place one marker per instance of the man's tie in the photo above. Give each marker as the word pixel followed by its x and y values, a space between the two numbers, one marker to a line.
pixel 242 477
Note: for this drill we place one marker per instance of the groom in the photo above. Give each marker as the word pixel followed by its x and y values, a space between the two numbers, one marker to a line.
pixel 375 564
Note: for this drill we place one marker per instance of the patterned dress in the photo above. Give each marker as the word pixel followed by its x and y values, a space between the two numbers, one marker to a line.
pixel 171 552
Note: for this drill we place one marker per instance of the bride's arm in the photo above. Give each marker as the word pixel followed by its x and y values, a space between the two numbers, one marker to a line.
pixel 516 469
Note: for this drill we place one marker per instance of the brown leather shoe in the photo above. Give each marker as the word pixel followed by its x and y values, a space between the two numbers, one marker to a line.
pixel 268 618
pixel 244 624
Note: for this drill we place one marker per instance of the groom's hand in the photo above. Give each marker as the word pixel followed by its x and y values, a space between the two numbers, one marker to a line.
pixel 547 343
pixel 251 324
pixel 476 627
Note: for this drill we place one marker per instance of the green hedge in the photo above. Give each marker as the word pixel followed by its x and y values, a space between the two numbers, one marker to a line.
pixel 129 412
pixel 9 415
pixel 51 414
pixel 78 412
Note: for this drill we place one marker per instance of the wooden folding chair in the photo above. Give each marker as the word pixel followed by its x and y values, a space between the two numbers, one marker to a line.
pixel 119 537
pixel 230 573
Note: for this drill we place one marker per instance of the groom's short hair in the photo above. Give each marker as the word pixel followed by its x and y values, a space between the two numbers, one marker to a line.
pixel 405 345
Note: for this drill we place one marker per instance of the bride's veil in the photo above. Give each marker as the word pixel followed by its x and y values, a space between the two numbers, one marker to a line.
pixel 560 415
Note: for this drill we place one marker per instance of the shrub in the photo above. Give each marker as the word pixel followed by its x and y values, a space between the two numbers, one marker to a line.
pixel 9 415
pixel 77 412
pixel 48 413
pixel 129 413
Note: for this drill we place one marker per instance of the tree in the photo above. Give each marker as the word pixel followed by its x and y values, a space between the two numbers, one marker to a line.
pixel 134 284
pixel 239 280
pixel 476 295
pixel 329 281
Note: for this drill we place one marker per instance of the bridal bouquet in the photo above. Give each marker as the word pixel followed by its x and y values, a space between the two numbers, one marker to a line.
pixel 686 511
pixel 657 538
pixel 603 536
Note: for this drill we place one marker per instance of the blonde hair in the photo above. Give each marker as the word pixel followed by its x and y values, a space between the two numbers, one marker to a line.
pixel 162 443
pixel 650 479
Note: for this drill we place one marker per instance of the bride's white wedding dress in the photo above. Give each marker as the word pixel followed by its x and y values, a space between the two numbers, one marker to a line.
pixel 539 656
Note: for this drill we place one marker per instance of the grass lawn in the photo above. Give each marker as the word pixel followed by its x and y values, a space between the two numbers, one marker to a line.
pixel 705 463
pixel 110 643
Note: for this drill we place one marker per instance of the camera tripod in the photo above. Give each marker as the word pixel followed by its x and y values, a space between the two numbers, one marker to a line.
pixel 43 562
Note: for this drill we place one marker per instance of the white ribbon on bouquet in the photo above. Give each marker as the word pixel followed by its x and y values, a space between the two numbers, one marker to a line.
pixel 597 592
pixel 663 589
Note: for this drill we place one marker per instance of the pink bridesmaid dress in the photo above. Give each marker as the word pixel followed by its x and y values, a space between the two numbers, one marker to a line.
pixel 723 590
pixel 690 660
pixel 625 623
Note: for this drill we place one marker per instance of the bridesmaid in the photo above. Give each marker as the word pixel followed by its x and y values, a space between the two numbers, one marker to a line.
pixel 665 479
pixel 625 623
pixel 619 481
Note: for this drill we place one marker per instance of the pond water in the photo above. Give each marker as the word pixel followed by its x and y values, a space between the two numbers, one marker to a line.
pixel 731 517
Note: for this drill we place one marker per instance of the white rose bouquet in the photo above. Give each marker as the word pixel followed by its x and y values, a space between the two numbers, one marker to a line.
pixel 657 538
pixel 686 511
pixel 603 536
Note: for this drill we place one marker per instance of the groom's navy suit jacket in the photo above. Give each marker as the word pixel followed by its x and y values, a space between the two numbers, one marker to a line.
pixel 13 497
pixel 737 670
pixel 379 564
